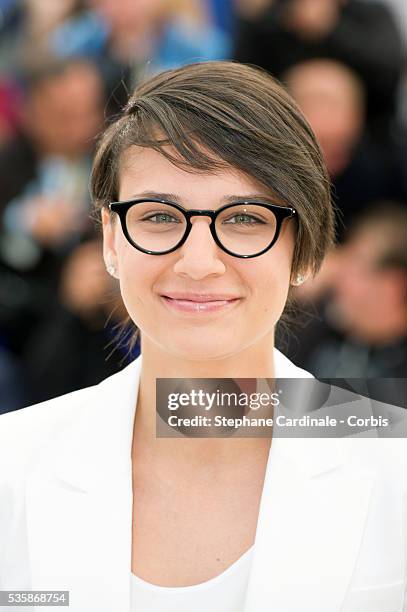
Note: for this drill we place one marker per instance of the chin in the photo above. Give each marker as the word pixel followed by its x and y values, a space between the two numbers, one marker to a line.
pixel 200 349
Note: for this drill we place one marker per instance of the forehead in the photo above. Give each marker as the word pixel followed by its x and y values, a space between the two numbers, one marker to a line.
pixel 146 170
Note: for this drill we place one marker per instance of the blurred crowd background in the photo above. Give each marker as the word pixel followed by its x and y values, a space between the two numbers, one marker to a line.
pixel 65 69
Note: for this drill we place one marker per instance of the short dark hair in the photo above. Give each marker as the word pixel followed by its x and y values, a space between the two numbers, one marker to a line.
pixel 226 114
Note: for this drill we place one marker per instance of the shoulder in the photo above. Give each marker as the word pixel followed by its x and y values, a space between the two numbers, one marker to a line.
pixel 28 430
pixel 385 455
pixel 386 458
pixel 52 410
pixel 26 433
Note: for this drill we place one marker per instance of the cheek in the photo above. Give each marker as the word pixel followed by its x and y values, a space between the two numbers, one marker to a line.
pixel 132 276
pixel 276 291
pixel 138 273
pixel 270 286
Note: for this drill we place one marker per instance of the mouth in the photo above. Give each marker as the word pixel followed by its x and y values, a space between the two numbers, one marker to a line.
pixel 200 304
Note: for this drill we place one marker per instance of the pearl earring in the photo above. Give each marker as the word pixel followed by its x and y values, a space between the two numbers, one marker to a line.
pixel 299 280
pixel 111 269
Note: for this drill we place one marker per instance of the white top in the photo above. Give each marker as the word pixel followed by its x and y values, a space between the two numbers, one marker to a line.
pixel 67 480
pixel 225 592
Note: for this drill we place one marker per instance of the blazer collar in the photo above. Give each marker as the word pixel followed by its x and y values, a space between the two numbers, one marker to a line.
pixel 97 444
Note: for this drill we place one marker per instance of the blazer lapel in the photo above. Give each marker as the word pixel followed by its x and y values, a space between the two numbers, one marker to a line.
pixel 312 514
pixel 79 500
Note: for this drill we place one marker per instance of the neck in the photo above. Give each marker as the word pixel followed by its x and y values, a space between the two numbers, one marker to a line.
pixel 252 362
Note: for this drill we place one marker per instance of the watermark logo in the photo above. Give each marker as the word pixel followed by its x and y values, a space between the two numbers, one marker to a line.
pixel 256 407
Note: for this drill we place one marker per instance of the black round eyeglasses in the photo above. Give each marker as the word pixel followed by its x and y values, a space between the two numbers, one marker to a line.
pixel 243 229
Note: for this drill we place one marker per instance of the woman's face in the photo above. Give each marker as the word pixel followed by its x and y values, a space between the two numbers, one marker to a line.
pixel 259 285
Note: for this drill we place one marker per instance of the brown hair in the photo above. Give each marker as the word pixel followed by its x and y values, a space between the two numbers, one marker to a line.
pixel 226 114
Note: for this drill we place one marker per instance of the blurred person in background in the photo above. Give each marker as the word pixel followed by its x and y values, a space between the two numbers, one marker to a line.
pixel 44 179
pixel 137 30
pixel 133 39
pixel 44 199
pixel 10 116
pixel 332 98
pixel 67 350
pixel 276 34
pixel 26 25
pixel 360 328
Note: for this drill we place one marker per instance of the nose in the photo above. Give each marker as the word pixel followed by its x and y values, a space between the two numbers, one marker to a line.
pixel 199 255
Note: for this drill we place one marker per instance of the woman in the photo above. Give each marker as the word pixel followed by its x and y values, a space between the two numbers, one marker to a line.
pixel 214 200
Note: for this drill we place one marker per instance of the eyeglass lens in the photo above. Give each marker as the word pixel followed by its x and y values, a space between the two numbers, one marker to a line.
pixel 244 229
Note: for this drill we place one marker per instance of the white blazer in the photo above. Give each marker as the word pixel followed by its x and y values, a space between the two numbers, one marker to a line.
pixel 332 526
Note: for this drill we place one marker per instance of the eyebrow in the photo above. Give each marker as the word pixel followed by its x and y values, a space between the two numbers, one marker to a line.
pixel 227 199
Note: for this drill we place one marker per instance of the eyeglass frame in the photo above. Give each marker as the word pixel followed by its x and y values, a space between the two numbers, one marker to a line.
pixel 122 207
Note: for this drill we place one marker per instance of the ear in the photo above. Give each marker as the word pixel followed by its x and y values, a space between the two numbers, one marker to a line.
pixel 109 243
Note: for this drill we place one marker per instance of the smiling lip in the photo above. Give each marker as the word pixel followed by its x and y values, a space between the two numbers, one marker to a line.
pixel 198 302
